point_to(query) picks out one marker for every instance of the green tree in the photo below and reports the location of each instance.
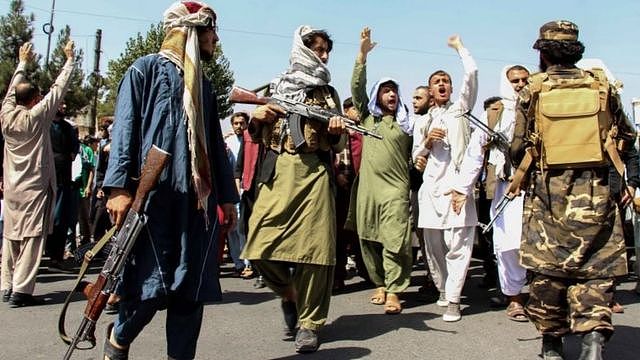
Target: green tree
(78, 95)
(16, 28)
(216, 69)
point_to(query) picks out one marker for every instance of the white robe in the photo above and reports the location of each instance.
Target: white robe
(440, 174)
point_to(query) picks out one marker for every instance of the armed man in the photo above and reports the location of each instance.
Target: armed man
(572, 234)
(291, 237)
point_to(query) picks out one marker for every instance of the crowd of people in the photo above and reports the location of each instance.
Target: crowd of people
(551, 164)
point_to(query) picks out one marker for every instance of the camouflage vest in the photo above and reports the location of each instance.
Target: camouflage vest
(572, 119)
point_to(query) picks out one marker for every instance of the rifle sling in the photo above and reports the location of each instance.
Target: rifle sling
(89, 255)
(610, 147)
(521, 171)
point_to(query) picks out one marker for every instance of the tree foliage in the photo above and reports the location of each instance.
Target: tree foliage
(217, 69)
(78, 95)
(16, 28)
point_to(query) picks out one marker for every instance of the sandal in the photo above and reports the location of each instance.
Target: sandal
(392, 305)
(515, 312)
(379, 296)
(247, 273)
(110, 351)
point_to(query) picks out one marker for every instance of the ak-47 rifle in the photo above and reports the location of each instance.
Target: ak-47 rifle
(295, 112)
(514, 187)
(495, 137)
(98, 292)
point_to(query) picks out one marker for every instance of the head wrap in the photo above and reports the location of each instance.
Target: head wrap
(181, 47)
(306, 71)
(559, 30)
(402, 113)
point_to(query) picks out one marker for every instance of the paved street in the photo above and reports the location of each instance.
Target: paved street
(248, 325)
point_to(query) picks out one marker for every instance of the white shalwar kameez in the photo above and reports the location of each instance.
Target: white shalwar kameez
(449, 236)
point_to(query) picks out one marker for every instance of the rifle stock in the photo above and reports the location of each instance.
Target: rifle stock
(243, 96)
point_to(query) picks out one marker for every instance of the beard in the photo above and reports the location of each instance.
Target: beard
(205, 56)
(542, 65)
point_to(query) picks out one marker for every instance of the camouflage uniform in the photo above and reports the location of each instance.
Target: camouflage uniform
(572, 234)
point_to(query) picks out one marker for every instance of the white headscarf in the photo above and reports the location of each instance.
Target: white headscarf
(306, 71)
(587, 64)
(402, 113)
(506, 123)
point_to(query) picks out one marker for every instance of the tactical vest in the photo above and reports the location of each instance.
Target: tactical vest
(572, 119)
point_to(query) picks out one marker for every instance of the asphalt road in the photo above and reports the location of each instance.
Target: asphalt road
(248, 324)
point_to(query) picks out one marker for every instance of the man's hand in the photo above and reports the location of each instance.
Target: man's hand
(87, 191)
(26, 52)
(267, 113)
(366, 45)
(230, 217)
(435, 134)
(457, 200)
(100, 194)
(336, 125)
(421, 163)
(455, 42)
(118, 205)
(68, 50)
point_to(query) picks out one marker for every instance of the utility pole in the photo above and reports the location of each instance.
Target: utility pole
(48, 29)
(97, 81)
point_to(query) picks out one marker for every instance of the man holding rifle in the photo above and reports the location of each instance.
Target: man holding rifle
(291, 238)
(572, 237)
(164, 101)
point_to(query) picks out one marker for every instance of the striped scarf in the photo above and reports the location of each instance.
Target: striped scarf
(181, 47)
(306, 71)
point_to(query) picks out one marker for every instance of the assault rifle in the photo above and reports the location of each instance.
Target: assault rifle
(495, 137)
(98, 292)
(514, 187)
(295, 112)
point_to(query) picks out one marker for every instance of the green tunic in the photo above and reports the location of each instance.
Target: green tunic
(381, 206)
(293, 218)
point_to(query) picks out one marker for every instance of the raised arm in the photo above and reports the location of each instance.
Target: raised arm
(359, 77)
(25, 55)
(49, 104)
(469, 88)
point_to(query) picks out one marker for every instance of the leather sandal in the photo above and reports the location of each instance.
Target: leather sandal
(379, 296)
(515, 312)
(392, 305)
(110, 351)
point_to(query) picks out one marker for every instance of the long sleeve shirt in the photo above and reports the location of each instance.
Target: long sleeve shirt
(28, 158)
(441, 170)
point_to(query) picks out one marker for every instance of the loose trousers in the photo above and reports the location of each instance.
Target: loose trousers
(311, 284)
(450, 253)
(184, 319)
(20, 262)
(385, 268)
(558, 306)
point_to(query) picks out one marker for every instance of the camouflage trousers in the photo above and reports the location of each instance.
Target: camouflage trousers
(558, 306)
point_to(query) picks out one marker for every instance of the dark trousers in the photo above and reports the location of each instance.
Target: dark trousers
(184, 319)
(54, 247)
(485, 241)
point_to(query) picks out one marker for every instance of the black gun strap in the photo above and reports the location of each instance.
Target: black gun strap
(89, 255)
